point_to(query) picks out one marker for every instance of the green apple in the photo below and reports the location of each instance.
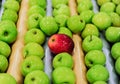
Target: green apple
(30, 64)
(92, 42)
(75, 24)
(112, 34)
(6, 78)
(94, 57)
(116, 1)
(63, 75)
(115, 50)
(37, 77)
(118, 9)
(87, 16)
(61, 20)
(9, 15)
(33, 48)
(36, 9)
(90, 29)
(3, 63)
(34, 20)
(34, 35)
(8, 31)
(41, 3)
(61, 9)
(108, 7)
(117, 65)
(12, 5)
(48, 25)
(64, 30)
(84, 5)
(100, 82)
(5, 49)
(97, 73)
(102, 20)
(115, 19)
(101, 2)
(57, 2)
(63, 60)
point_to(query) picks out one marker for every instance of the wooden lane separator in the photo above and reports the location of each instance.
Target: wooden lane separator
(16, 57)
(78, 54)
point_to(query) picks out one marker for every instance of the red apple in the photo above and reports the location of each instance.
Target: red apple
(60, 43)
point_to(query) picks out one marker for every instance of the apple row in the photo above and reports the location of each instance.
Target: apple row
(8, 34)
(62, 46)
(8, 28)
(32, 67)
(95, 59)
(112, 32)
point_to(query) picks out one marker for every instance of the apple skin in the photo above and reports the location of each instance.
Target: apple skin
(118, 9)
(97, 73)
(64, 30)
(115, 50)
(117, 65)
(115, 19)
(61, 20)
(108, 7)
(84, 5)
(100, 82)
(6, 78)
(30, 64)
(102, 20)
(75, 24)
(94, 57)
(37, 77)
(90, 29)
(92, 42)
(8, 31)
(101, 2)
(3, 63)
(57, 2)
(34, 20)
(59, 43)
(5, 49)
(12, 5)
(34, 35)
(48, 25)
(15, 0)
(41, 3)
(36, 9)
(33, 48)
(117, 2)
(61, 9)
(112, 34)
(63, 60)
(87, 16)
(79, 1)
(63, 75)
(9, 15)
